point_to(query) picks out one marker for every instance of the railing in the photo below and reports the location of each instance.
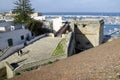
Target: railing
(35, 39)
(114, 32)
(62, 30)
(4, 51)
(10, 51)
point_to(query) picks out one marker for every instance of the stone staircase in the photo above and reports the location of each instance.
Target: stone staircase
(3, 51)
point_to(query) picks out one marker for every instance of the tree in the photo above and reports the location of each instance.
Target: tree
(22, 10)
(35, 27)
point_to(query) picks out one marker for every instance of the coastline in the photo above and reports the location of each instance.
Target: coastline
(83, 13)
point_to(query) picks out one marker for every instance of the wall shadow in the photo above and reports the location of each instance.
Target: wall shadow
(106, 38)
(81, 41)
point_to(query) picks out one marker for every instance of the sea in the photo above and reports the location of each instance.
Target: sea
(108, 29)
(83, 13)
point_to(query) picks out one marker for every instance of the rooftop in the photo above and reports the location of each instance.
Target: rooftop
(5, 24)
(89, 21)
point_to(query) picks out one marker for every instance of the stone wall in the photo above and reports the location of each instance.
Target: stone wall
(36, 64)
(2, 73)
(88, 33)
(70, 49)
(9, 70)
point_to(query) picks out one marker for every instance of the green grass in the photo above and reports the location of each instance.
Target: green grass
(60, 48)
(50, 62)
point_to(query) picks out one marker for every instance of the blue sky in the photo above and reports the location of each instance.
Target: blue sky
(67, 5)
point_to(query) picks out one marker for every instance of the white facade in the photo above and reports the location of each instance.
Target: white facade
(5, 29)
(36, 14)
(39, 18)
(2, 29)
(1, 17)
(12, 38)
(57, 24)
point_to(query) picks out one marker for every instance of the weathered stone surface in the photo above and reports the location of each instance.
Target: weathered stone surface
(88, 33)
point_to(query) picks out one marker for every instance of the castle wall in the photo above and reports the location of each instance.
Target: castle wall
(88, 33)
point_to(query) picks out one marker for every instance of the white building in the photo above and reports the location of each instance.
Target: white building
(57, 23)
(42, 18)
(13, 35)
(35, 14)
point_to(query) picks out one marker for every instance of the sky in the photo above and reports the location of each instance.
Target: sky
(67, 5)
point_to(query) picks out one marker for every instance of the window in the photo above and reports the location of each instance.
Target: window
(10, 42)
(32, 34)
(27, 37)
(22, 37)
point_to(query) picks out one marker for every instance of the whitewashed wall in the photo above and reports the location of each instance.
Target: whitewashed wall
(57, 23)
(2, 29)
(39, 18)
(15, 36)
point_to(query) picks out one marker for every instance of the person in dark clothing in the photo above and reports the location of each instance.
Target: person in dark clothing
(20, 52)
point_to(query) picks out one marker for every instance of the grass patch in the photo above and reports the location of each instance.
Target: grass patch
(60, 49)
(50, 62)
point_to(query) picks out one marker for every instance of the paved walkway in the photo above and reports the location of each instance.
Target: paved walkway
(38, 50)
(8, 52)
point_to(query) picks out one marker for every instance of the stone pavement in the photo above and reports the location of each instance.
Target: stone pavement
(38, 50)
